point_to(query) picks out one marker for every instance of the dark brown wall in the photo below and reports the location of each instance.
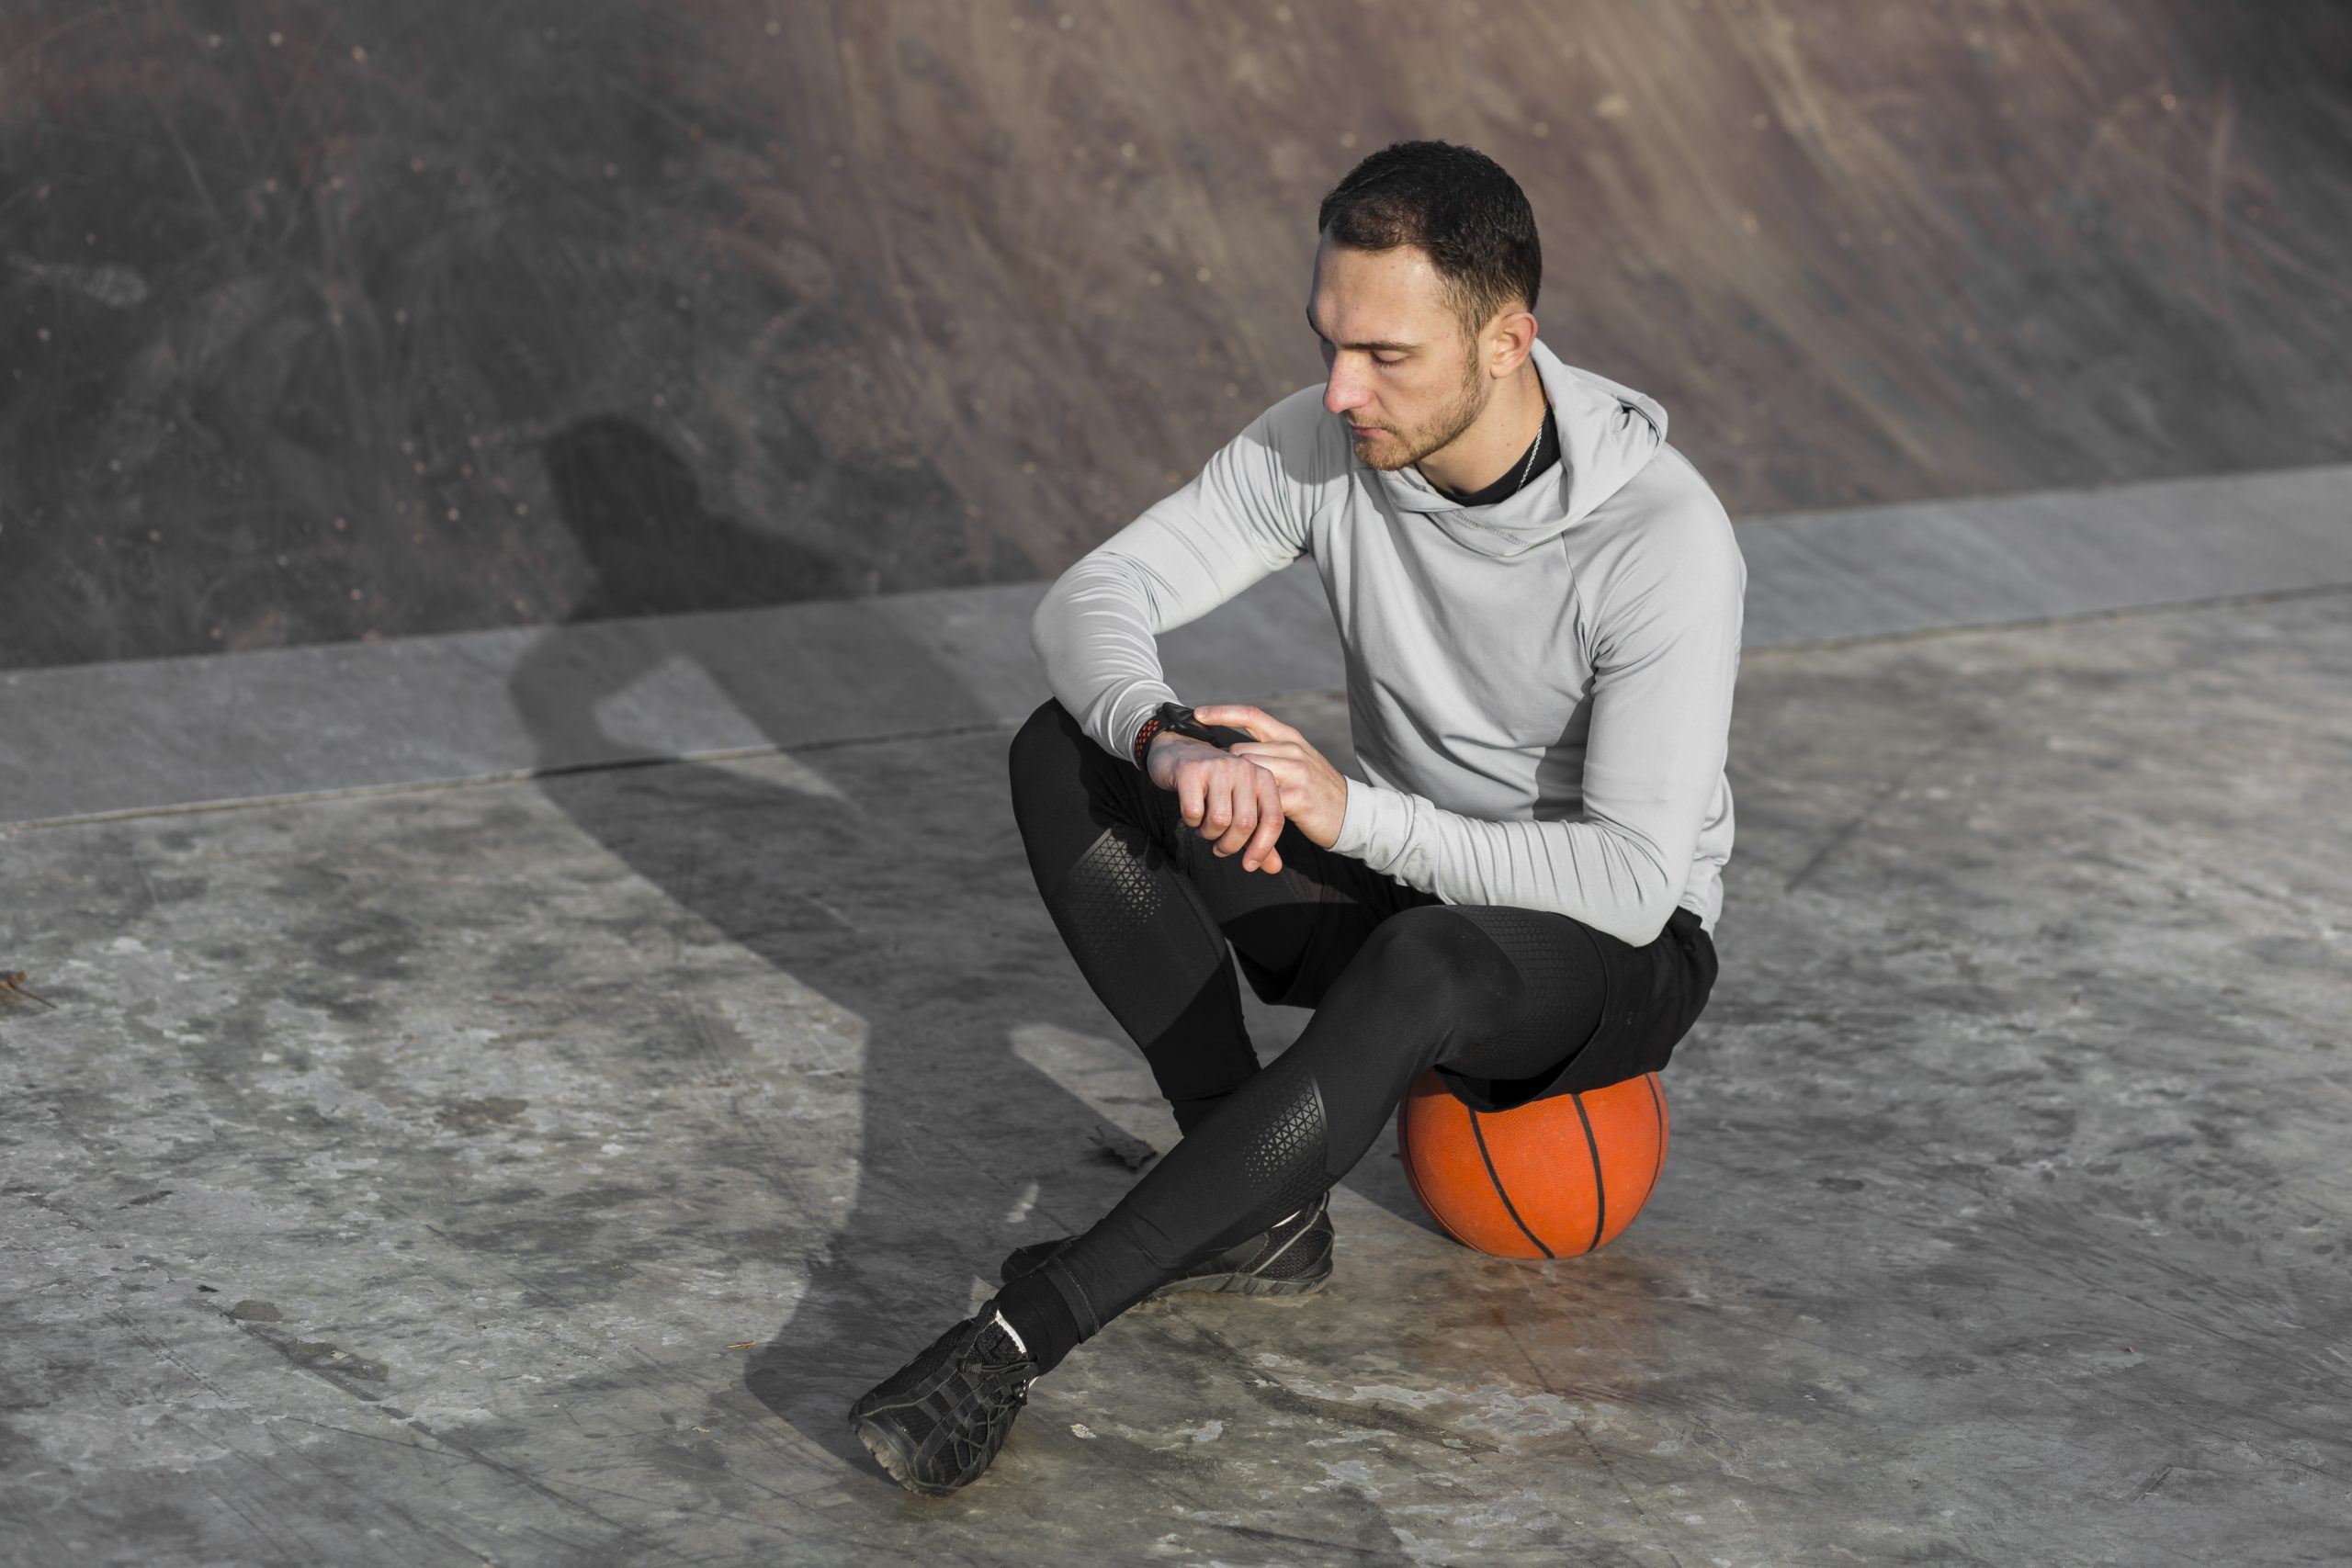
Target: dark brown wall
(320, 321)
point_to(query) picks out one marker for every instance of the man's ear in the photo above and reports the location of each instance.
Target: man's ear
(1509, 338)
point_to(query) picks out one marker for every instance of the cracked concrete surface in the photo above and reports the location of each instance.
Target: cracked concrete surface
(532, 1173)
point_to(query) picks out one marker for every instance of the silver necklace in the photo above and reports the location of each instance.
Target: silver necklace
(1530, 468)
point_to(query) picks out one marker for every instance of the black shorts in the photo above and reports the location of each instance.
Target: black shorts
(1589, 1011)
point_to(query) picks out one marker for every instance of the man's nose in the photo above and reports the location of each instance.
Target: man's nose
(1342, 389)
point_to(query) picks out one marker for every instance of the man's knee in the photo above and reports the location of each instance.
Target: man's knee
(1435, 957)
(1046, 741)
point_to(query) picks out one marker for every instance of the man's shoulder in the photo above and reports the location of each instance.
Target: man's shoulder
(1664, 524)
(1665, 506)
(1669, 496)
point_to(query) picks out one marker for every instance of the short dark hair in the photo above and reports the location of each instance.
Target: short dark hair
(1454, 202)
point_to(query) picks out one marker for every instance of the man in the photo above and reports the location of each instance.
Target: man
(1540, 602)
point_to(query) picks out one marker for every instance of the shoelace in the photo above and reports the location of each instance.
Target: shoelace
(1011, 1332)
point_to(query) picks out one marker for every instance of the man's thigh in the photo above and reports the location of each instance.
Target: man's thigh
(1594, 1009)
(1294, 930)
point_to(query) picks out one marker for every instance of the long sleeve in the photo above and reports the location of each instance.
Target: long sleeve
(1243, 518)
(1667, 657)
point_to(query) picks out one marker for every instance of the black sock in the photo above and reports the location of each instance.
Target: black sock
(1042, 1318)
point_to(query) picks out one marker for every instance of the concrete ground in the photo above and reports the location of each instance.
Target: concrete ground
(530, 1173)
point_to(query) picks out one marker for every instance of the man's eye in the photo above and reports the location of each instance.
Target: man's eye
(1331, 352)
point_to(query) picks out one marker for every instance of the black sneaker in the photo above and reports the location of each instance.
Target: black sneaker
(1292, 1259)
(937, 1422)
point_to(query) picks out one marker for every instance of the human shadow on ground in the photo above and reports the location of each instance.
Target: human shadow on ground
(894, 884)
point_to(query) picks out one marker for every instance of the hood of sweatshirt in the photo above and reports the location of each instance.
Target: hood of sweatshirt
(1607, 434)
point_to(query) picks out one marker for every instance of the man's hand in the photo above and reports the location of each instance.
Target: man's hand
(1229, 800)
(1313, 793)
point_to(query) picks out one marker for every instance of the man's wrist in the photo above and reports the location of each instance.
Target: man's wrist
(1141, 750)
(1168, 719)
(1175, 719)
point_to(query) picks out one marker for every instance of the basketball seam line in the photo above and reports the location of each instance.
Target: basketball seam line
(1658, 1114)
(1500, 1191)
(1600, 1182)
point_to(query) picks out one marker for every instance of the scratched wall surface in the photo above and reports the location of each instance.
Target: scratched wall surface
(332, 321)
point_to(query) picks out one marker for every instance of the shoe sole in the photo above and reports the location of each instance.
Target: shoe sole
(1222, 1284)
(884, 1444)
(1242, 1285)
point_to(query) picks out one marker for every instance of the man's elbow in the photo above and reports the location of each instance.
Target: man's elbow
(1097, 585)
(1041, 624)
(1049, 623)
(1646, 894)
(1636, 923)
(1650, 917)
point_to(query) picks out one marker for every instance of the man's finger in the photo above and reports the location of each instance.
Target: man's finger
(1245, 817)
(1281, 769)
(1260, 848)
(1218, 797)
(1256, 721)
(1192, 795)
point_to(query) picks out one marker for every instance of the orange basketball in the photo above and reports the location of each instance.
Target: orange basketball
(1552, 1178)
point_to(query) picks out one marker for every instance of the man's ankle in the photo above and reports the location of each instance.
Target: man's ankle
(1033, 1310)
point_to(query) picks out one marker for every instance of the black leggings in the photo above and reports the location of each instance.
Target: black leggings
(1508, 1004)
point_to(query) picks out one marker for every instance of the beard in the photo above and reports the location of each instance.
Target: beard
(1392, 449)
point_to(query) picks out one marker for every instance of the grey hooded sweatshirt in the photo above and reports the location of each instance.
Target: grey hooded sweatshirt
(1539, 691)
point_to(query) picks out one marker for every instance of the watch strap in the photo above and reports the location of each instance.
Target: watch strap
(1183, 721)
(1152, 727)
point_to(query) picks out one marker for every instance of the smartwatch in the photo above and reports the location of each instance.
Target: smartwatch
(1179, 719)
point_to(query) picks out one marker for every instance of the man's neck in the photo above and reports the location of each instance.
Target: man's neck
(1485, 452)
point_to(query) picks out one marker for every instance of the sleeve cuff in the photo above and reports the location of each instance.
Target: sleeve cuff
(1127, 715)
(1373, 818)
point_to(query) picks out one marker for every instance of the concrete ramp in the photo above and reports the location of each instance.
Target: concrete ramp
(97, 739)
